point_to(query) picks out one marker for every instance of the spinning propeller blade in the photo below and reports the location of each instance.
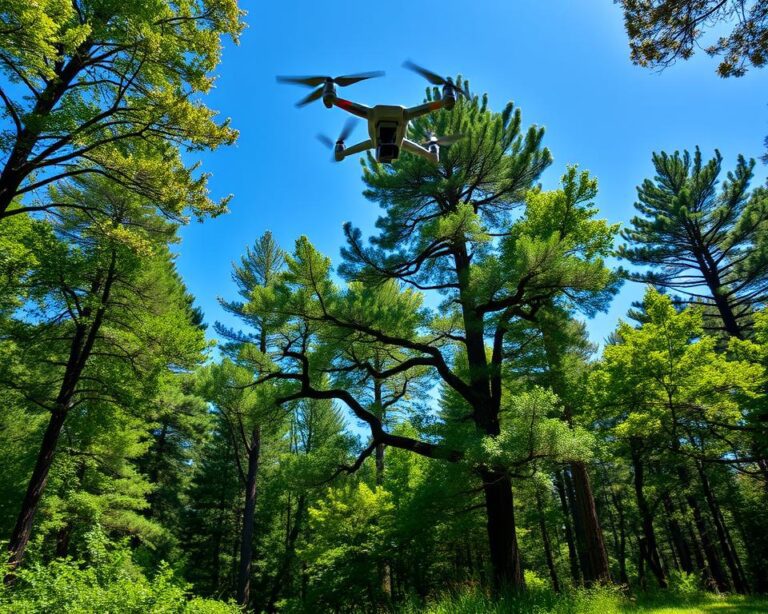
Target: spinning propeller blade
(448, 139)
(325, 140)
(350, 79)
(308, 81)
(311, 98)
(349, 126)
(436, 79)
(443, 141)
(430, 76)
(320, 81)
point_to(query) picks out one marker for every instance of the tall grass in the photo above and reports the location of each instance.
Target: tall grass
(606, 600)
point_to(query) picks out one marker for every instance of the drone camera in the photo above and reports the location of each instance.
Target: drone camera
(387, 152)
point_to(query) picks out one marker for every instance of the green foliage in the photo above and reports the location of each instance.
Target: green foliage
(663, 31)
(109, 582)
(349, 528)
(665, 376)
(112, 89)
(703, 238)
(532, 428)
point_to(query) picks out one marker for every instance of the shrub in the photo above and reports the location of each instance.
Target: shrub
(110, 584)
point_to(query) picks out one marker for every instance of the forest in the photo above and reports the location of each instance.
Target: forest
(420, 423)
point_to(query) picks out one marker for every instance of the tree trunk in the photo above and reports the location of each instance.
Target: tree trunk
(547, 546)
(599, 570)
(283, 574)
(681, 547)
(380, 464)
(648, 546)
(573, 557)
(249, 512)
(731, 557)
(23, 529)
(502, 539)
(710, 552)
(622, 551)
(578, 527)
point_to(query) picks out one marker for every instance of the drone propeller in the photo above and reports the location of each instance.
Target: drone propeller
(443, 141)
(434, 78)
(338, 144)
(319, 82)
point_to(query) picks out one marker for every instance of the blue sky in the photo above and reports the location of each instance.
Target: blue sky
(564, 63)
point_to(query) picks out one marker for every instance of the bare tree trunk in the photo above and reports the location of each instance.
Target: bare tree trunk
(716, 570)
(681, 547)
(249, 513)
(597, 557)
(547, 545)
(731, 557)
(573, 556)
(648, 546)
(282, 577)
(502, 539)
(23, 529)
(622, 550)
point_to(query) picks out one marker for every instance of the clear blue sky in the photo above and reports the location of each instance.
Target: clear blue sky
(564, 63)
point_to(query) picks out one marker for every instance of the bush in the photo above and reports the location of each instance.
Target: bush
(110, 583)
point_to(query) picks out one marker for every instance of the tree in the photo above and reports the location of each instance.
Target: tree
(179, 423)
(565, 350)
(106, 314)
(663, 31)
(709, 245)
(248, 411)
(440, 242)
(110, 89)
(681, 403)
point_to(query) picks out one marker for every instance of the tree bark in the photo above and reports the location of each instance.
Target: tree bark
(622, 550)
(595, 566)
(547, 545)
(573, 557)
(249, 513)
(648, 545)
(679, 542)
(716, 570)
(597, 557)
(502, 539)
(23, 529)
(283, 574)
(729, 553)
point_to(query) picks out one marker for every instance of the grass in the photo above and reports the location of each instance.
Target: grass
(598, 601)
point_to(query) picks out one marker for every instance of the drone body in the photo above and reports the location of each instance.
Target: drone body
(387, 124)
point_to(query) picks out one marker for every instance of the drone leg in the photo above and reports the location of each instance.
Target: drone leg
(418, 150)
(349, 151)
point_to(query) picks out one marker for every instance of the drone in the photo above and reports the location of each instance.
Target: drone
(387, 124)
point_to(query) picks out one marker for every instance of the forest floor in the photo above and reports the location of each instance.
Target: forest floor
(598, 602)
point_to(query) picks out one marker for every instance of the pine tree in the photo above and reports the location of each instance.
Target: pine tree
(449, 228)
(106, 316)
(709, 245)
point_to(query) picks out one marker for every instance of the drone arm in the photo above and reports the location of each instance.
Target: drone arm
(365, 145)
(423, 109)
(418, 150)
(352, 107)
